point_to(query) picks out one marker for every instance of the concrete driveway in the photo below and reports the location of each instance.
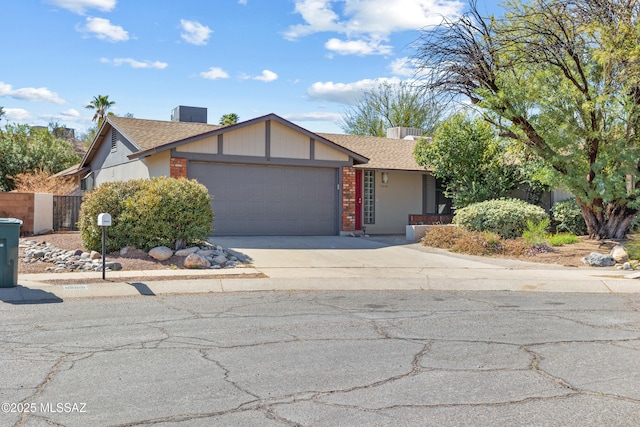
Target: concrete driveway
(338, 252)
(392, 263)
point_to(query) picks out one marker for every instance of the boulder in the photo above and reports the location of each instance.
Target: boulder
(115, 266)
(220, 259)
(187, 251)
(161, 253)
(132, 252)
(95, 255)
(196, 261)
(619, 254)
(596, 259)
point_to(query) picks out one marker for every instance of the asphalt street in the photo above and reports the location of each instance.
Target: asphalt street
(323, 358)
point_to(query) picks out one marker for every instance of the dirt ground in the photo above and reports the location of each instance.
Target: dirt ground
(567, 255)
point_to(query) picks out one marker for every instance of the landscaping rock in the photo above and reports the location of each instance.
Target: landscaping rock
(114, 266)
(161, 253)
(95, 255)
(132, 252)
(196, 261)
(61, 260)
(596, 259)
(220, 259)
(187, 251)
(619, 254)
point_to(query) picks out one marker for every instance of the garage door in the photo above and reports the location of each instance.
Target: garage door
(270, 200)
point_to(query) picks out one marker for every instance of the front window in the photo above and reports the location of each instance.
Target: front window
(369, 197)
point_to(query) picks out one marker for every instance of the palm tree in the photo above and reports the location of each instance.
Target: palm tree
(229, 119)
(100, 104)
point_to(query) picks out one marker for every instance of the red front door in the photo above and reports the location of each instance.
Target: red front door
(358, 199)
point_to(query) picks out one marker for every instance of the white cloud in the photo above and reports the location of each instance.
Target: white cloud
(404, 67)
(266, 76)
(243, 2)
(71, 113)
(17, 115)
(80, 6)
(343, 93)
(105, 30)
(30, 93)
(214, 73)
(357, 47)
(195, 32)
(135, 63)
(313, 117)
(366, 23)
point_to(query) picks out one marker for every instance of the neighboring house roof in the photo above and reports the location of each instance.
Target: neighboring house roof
(73, 170)
(383, 153)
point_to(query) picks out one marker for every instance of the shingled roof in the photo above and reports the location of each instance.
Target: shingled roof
(154, 133)
(383, 153)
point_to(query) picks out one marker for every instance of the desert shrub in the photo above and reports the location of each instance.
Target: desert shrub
(479, 243)
(567, 217)
(147, 213)
(443, 237)
(506, 217)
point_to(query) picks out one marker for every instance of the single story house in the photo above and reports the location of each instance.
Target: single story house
(269, 176)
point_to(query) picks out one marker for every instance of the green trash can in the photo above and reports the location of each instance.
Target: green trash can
(9, 241)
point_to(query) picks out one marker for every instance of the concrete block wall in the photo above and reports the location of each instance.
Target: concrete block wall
(34, 210)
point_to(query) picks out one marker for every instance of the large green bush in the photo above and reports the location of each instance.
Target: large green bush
(567, 217)
(147, 213)
(506, 217)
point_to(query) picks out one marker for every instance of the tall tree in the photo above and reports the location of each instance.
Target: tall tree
(470, 158)
(100, 104)
(561, 78)
(391, 105)
(229, 119)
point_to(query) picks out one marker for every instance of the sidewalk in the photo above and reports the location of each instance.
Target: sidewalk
(32, 288)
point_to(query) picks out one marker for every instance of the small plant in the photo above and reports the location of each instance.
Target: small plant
(443, 237)
(536, 232)
(633, 246)
(562, 239)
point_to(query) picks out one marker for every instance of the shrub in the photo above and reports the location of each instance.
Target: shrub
(506, 217)
(106, 198)
(562, 239)
(443, 237)
(147, 213)
(568, 217)
(536, 233)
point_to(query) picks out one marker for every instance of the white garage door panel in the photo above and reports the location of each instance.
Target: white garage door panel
(270, 200)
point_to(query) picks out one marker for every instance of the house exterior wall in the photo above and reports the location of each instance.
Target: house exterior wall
(324, 152)
(287, 143)
(394, 201)
(246, 141)
(207, 145)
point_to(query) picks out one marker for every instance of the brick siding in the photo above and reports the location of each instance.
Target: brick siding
(178, 167)
(348, 199)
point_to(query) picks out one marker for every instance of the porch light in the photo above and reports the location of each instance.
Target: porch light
(385, 178)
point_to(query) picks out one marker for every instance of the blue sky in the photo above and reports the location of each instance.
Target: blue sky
(305, 60)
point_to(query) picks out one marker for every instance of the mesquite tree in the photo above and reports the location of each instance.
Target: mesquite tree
(562, 78)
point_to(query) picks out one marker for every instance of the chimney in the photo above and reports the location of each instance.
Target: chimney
(402, 132)
(189, 114)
